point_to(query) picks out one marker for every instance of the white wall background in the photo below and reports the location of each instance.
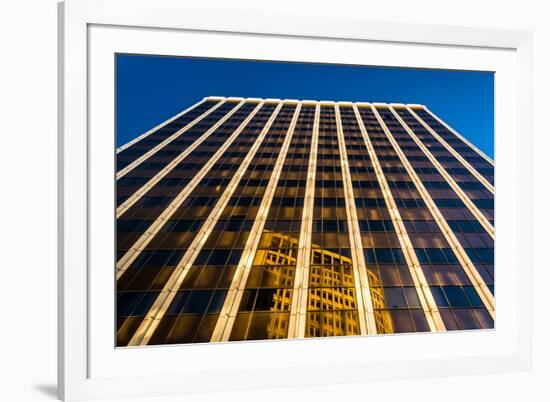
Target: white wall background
(28, 198)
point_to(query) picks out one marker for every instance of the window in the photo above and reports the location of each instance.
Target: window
(330, 225)
(132, 181)
(472, 295)
(466, 226)
(174, 181)
(395, 298)
(436, 256)
(184, 225)
(484, 203)
(376, 226)
(439, 296)
(197, 302)
(158, 258)
(202, 201)
(235, 224)
(218, 257)
(131, 225)
(436, 185)
(481, 255)
(456, 296)
(422, 226)
(135, 303)
(449, 203)
(471, 185)
(384, 256)
(149, 201)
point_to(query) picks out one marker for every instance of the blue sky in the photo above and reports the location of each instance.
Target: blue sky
(150, 89)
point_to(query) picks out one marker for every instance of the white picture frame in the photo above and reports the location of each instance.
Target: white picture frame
(90, 32)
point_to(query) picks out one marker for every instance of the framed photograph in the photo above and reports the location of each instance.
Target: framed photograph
(254, 201)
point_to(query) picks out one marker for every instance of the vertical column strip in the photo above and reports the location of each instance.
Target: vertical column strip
(159, 126)
(453, 152)
(465, 199)
(124, 263)
(427, 301)
(298, 307)
(167, 141)
(122, 208)
(166, 296)
(367, 320)
(459, 136)
(469, 268)
(226, 320)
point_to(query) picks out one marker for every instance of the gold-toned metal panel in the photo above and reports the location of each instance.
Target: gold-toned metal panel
(473, 275)
(425, 296)
(460, 136)
(459, 157)
(367, 320)
(152, 151)
(124, 263)
(122, 208)
(228, 313)
(164, 123)
(166, 296)
(298, 309)
(456, 188)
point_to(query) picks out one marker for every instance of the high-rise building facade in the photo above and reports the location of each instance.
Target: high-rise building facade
(242, 219)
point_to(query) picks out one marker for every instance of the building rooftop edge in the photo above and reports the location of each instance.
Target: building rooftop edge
(321, 102)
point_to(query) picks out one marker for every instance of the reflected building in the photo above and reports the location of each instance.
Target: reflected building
(252, 219)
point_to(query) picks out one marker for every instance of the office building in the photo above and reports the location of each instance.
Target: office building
(252, 219)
